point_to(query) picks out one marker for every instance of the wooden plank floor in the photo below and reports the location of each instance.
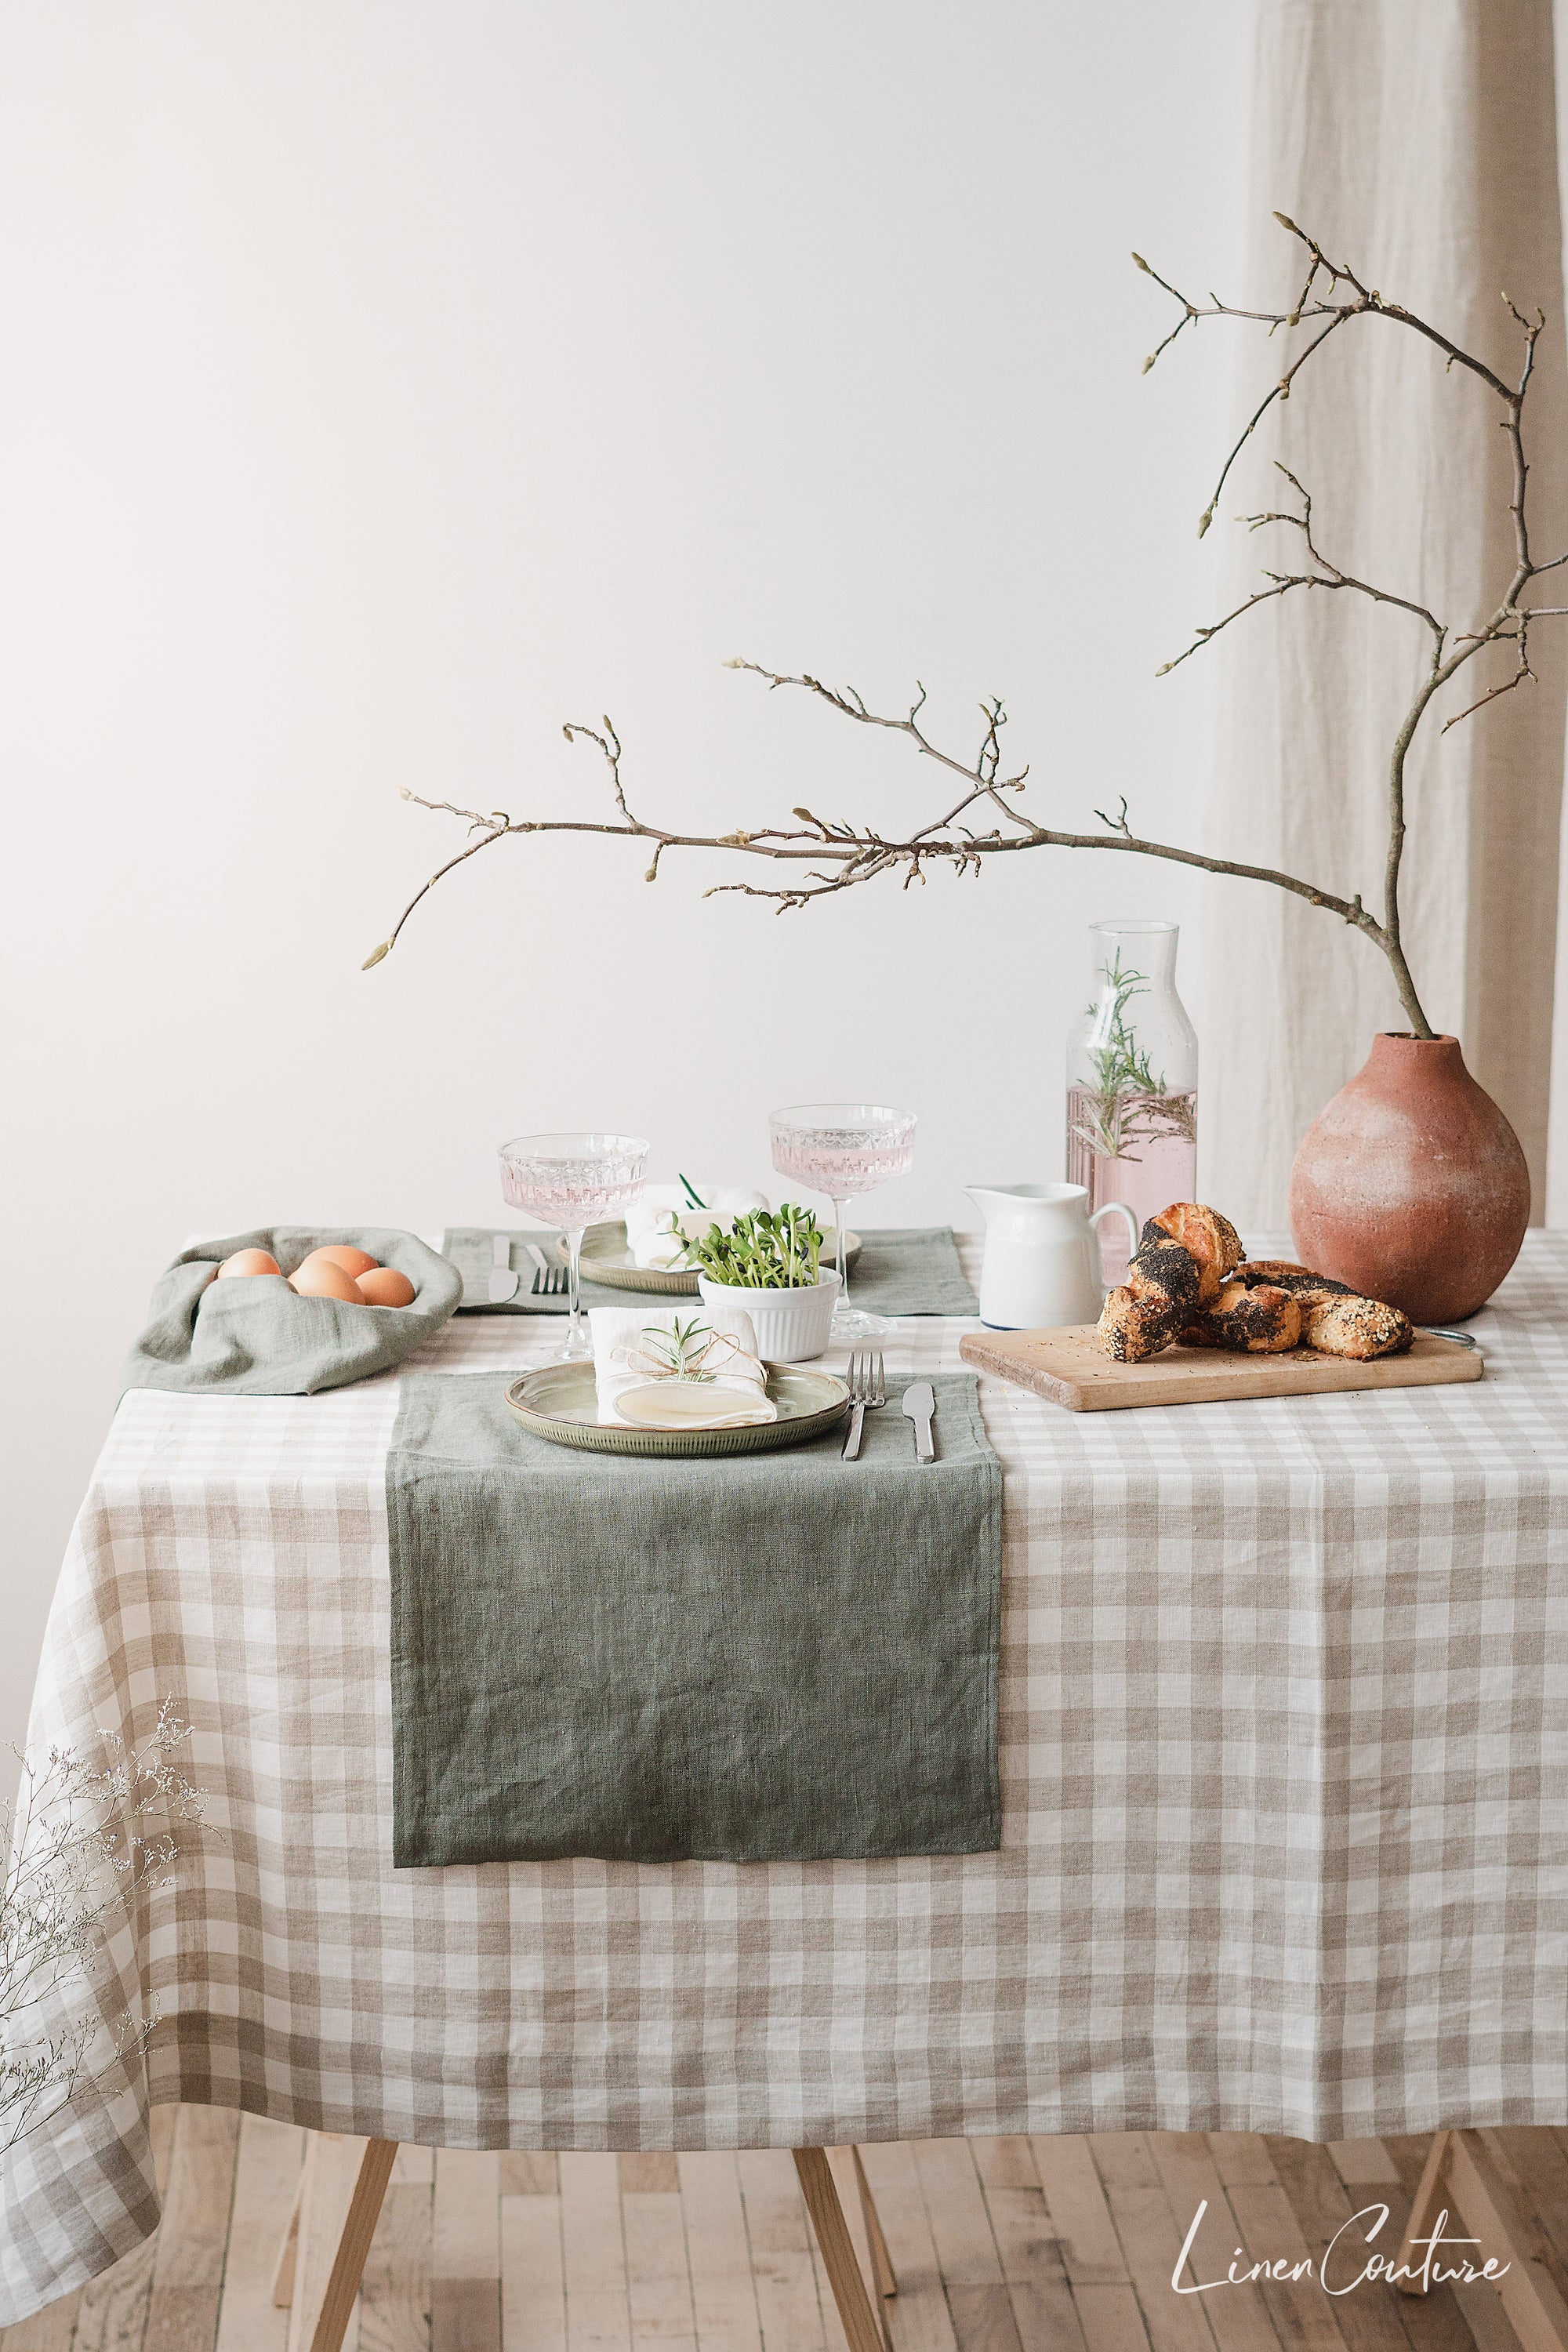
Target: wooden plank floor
(1001, 2245)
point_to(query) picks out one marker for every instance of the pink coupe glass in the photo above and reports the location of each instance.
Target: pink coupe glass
(844, 1149)
(574, 1179)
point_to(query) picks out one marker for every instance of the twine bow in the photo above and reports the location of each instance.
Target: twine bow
(688, 1352)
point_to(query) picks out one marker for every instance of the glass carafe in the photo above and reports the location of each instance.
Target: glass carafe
(1132, 1082)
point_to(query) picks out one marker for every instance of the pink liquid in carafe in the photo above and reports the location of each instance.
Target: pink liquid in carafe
(1149, 1175)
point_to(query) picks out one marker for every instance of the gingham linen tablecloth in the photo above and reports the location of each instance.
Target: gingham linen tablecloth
(1284, 1756)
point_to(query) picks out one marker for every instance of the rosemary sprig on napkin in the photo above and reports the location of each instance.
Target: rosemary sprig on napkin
(679, 1351)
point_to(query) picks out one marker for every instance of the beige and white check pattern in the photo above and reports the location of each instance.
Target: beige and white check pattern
(1284, 1723)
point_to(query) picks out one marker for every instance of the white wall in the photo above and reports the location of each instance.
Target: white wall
(385, 384)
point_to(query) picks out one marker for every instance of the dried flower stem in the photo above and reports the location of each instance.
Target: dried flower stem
(84, 1839)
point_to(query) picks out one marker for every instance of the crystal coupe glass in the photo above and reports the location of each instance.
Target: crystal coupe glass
(574, 1179)
(844, 1149)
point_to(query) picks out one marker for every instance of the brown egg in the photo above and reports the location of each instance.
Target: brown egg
(384, 1286)
(352, 1261)
(320, 1278)
(248, 1262)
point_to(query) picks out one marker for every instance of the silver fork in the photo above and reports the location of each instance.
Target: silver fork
(549, 1281)
(867, 1390)
(544, 1283)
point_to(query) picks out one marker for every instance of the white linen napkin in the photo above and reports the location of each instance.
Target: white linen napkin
(661, 1219)
(635, 1352)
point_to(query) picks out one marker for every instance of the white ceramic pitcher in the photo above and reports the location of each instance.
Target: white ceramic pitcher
(1041, 1267)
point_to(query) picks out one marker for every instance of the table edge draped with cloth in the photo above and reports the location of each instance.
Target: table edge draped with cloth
(1284, 1763)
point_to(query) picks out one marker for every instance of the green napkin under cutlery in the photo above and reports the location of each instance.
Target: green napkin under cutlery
(911, 1270)
(471, 1249)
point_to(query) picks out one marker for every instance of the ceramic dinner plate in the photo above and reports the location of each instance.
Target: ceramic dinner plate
(558, 1401)
(607, 1259)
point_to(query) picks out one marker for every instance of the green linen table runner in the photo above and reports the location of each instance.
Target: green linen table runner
(760, 1657)
(908, 1270)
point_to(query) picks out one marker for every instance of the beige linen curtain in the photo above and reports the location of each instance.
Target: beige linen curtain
(1416, 140)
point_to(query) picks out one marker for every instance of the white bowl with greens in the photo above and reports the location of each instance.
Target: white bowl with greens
(770, 1263)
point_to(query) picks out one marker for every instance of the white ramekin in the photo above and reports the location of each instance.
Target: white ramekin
(790, 1324)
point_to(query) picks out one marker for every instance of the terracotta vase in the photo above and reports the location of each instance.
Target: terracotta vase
(1411, 1185)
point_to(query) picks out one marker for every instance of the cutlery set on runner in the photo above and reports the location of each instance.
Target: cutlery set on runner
(867, 1384)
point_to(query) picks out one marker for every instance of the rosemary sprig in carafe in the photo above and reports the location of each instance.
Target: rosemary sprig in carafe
(1128, 1104)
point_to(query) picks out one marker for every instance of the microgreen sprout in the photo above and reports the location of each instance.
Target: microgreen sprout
(766, 1250)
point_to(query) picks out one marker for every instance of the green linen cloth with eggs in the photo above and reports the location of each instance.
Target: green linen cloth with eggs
(252, 1334)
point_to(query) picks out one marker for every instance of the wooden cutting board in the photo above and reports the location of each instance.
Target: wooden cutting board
(1071, 1369)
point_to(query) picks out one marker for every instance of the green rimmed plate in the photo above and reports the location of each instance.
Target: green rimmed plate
(558, 1401)
(607, 1259)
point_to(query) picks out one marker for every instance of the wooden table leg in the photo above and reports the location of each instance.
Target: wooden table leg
(353, 2246)
(865, 2326)
(1430, 2194)
(288, 2266)
(1460, 2177)
(882, 2261)
(348, 2257)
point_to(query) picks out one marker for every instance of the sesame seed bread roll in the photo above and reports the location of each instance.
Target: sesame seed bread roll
(1360, 1328)
(1164, 1272)
(1261, 1322)
(1209, 1238)
(1131, 1330)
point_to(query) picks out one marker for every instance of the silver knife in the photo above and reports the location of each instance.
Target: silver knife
(919, 1405)
(503, 1282)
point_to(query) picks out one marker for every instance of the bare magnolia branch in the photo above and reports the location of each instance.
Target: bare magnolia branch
(840, 855)
(1326, 575)
(1522, 671)
(859, 855)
